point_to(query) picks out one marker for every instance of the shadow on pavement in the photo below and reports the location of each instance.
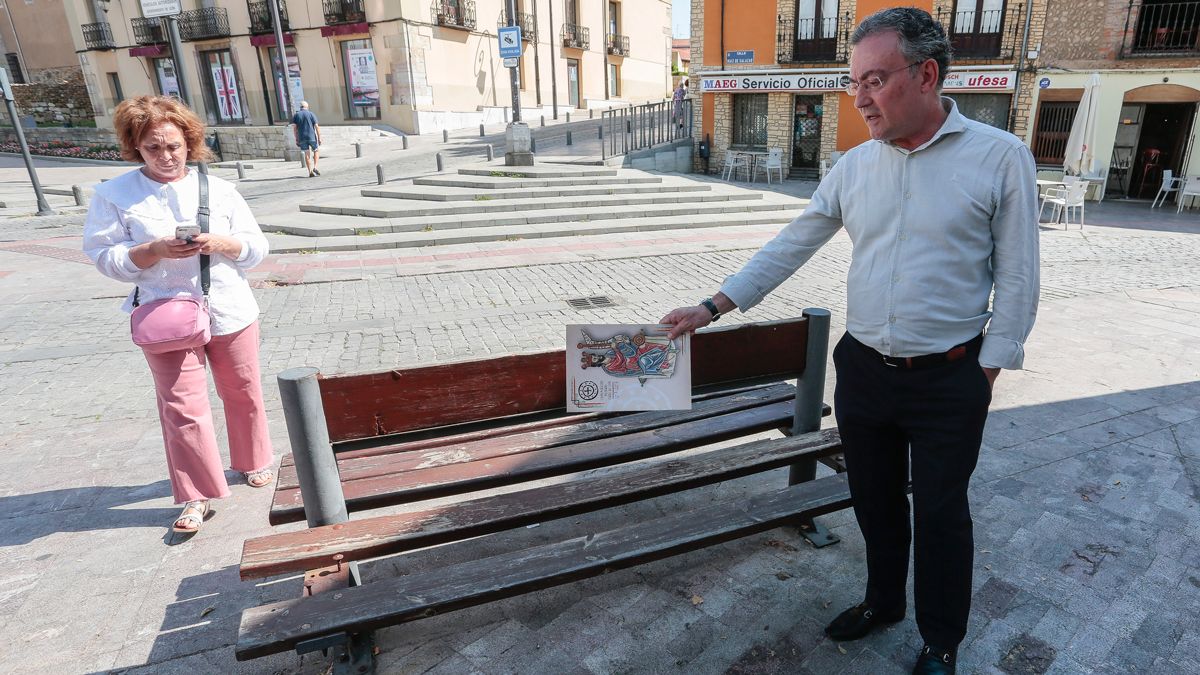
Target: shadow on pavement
(29, 517)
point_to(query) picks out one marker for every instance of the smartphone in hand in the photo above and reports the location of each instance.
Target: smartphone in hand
(187, 232)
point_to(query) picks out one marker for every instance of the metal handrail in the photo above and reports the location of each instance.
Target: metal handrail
(990, 34)
(260, 17)
(576, 36)
(525, 21)
(148, 31)
(205, 23)
(343, 11)
(1171, 28)
(617, 45)
(98, 36)
(644, 126)
(454, 13)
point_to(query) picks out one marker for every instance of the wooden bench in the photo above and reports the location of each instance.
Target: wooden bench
(452, 431)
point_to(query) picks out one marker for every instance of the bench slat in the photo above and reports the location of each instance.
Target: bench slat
(398, 401)
(352, 469)
(453, 479)
(277, 627)
(385, 535)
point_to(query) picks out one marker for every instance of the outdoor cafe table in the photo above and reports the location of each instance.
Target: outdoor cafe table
(754, 156)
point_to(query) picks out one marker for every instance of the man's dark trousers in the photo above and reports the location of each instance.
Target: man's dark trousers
(937, 413)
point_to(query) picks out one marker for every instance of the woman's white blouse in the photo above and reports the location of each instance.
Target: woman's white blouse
(133, 209)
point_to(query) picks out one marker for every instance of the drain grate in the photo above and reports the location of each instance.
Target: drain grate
(594, 302)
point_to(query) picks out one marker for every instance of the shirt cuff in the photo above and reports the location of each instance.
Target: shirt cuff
(245, 253)
(742, 293)
(1000, 352)
(124, 262)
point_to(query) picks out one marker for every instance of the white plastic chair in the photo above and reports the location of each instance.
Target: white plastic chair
(1065, 199)
(734, 162)
(1191, 188)
(827, 165)
(1170, 183)
(773, 160)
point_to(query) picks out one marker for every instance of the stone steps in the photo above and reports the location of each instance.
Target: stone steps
(458, 194)
(501, 182)
(540, 171)
(348, 225)
(379, 207)
(287, 243)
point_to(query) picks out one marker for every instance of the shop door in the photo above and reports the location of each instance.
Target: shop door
(362, 87)
(573, 82)
(221, 94)
(1161, 145)
(991, 109)
(164, 71)
(280, 99)
(806, 134)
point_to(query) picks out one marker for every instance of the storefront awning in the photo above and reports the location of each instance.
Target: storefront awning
(268, 40)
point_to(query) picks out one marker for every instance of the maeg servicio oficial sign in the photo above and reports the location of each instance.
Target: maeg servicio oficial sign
(964, 80)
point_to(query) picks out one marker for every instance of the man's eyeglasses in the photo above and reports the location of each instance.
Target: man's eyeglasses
(875, 82)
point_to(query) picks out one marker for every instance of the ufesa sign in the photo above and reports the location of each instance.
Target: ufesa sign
(968, 79)
(814, 82)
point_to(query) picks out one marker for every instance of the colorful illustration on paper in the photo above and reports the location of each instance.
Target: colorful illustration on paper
(626, 367)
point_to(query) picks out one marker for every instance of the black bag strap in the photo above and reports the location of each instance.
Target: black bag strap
(202, 213)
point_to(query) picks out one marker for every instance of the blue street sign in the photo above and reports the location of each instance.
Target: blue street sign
(740, 56)
(510, 42)
(1044, 82)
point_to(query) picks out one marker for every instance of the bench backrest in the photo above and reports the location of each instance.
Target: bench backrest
(411, 399)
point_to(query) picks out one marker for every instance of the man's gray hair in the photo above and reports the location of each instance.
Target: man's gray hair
(921, 36)
(303, 104)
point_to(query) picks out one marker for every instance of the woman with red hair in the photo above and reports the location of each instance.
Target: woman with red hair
(130, 234)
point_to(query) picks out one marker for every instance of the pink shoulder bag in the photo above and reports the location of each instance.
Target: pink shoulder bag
(172, 324)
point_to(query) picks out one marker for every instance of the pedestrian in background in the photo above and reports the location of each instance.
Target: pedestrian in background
(680, 94)
(942, 211)
(131, 234)
(308, 137)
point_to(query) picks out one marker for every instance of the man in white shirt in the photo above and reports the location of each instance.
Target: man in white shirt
(942, 211)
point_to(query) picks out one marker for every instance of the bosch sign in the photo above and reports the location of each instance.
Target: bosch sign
(959, 80)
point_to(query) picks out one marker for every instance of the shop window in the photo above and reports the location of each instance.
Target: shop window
(991, 109)
(164, 75)
(1053, 127)
(279, 98)
(614, 80)
(362, 87)
(222, 96)
(15, 74)
(114, 83)
(750, 120)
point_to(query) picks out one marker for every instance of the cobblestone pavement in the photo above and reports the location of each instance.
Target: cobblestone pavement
(1086, 496)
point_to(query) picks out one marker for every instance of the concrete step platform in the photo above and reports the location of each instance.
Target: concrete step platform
(326, 225)
(457, 194)
(502, 182)
(287, 243)
(537, 171)
(378, 207)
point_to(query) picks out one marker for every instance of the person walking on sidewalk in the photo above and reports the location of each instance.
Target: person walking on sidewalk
(308, 137)
(678, 97)
(942, 212)
(130, 234)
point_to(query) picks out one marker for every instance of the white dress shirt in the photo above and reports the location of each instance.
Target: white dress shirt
(934, 230)
(132, 209)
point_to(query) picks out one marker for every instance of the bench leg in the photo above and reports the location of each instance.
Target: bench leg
(810, 392)
(353, 653)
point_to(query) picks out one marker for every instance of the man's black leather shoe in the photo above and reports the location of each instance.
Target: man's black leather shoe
(934, 661)
(857, 621)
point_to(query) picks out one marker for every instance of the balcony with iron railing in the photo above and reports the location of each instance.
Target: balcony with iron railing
(617, 45)
(343, 11)
(525, 21)
(148, 31)
(811, 40)
(454, 13)
(576, 36)
(1161, 29)
(260, 17)
(204, 24)
(98, 36)
(992, 34)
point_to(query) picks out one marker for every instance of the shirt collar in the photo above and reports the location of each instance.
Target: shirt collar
(953, 124)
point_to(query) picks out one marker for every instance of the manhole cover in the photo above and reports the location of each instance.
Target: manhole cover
(594, 302)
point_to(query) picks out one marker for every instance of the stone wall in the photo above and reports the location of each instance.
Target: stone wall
(54, 102)
(78, 135)
(257, 143)
(830, 111)
(1089, 34)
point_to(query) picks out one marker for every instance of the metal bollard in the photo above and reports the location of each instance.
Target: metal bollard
(810, 388)
(591, 113)
(506, 114)
(445, 135)
(404, 140)
(481, 134)
(601, 130)
(491, 154)
(379, 173)
(568, 118)
(358, 150)
(316, 466)
(532, 143)
(568, 138)
(440, 162)
(241, 169)
(80, 199)
(543, 120)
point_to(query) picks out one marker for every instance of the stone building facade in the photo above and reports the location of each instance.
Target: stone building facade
(779, 66)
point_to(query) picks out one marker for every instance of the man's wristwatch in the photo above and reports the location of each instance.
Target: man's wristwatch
(712, 307)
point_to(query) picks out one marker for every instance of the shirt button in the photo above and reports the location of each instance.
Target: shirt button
(892, 319)
(908, 195)
(895, 280)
